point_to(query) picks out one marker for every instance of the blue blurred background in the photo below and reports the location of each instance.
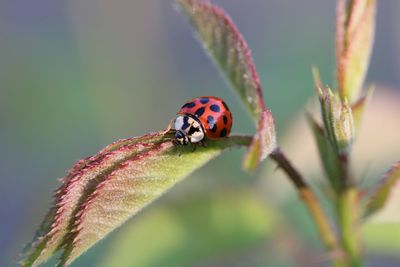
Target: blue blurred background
(77, 75)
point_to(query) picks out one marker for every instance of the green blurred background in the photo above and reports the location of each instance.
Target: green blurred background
(77, 75)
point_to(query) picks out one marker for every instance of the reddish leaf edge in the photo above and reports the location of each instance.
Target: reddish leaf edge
(46, 230)
(264, 141)
(207, 7)
(384, 189)
(49, 230)
(71, 239)
(241, 41)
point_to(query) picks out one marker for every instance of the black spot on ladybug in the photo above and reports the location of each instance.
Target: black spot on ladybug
(211, 121)
(214, 108)
(225, 119)
(214, 128)
(189, 105)
(199, 112)
(192, 130)
(204, 100)
(223, 133)
(225, 106)
(185, 123)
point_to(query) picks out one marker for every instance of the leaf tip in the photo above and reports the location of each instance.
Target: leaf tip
(354, 40)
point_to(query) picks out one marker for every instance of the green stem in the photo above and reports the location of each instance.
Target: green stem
(313, 204)
(347, 209)
(347, 206)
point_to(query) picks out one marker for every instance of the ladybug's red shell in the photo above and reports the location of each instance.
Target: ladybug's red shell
(212, 113)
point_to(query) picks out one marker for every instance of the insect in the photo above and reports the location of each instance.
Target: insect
(206, 117)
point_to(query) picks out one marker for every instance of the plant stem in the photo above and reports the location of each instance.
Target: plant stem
(347, 210)
(313, 204)
(348, 215)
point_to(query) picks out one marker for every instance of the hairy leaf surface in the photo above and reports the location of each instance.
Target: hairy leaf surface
(103, 191)
(226, 45)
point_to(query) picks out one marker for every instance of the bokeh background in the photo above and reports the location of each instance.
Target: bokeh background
(77, 75)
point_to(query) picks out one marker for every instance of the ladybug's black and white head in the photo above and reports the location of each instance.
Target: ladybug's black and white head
(188, 130)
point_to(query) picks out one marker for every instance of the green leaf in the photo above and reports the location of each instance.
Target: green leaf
(185, 233)
(226, 45)
(338, 121)
(382, 192)
(335, 137)
(327, 153)
(355, 28)
(81, 181)
(103, 191)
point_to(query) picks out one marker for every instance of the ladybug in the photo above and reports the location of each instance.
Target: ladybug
(202, 117)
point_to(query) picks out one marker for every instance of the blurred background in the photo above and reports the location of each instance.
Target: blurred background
(77, 75)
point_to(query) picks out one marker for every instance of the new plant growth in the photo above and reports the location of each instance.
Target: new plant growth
(101, 192)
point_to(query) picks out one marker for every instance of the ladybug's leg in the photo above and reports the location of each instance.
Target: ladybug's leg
(203, 143)
(175, 142)
(194, 145)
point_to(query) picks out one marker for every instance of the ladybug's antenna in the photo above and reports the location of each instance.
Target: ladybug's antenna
(169, 127)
